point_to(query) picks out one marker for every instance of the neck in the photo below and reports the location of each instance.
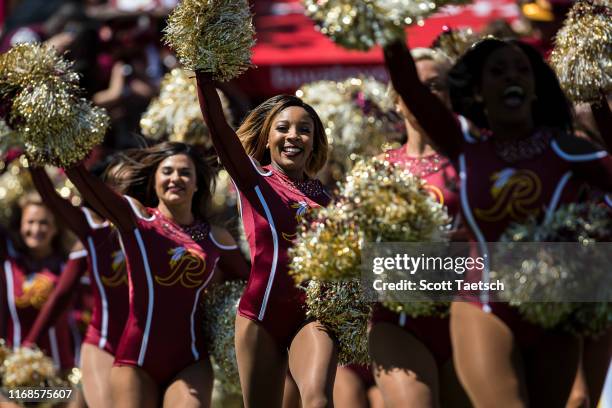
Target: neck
(507, 131)
(180, 214)
(41, 253)
(295, 175)
(418, 144)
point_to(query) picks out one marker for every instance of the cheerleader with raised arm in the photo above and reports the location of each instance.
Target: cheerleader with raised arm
(505, 87)
(271, 159)
(171, 254)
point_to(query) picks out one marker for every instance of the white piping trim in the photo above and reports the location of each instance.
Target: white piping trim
(402, 319)
(194, 350)
(136, 211)
(10, 296)
(577, 157)
(54, 348)
(484, 296)
(608, 199)
(100, 286)
(145, 261)
(465, 129)
(262, 311)
(554, 202)
(221, 246)
(90, 220)
(268, 174)
(78, 254)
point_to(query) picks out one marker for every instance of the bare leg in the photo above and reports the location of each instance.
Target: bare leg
(291, 394)
(579, 396)
(261, 364)
(405, 370)
(487, 361)
(132, 387)
(96, 365)
(375, 398)
(349, 390)
(192, 387)
(312, 362)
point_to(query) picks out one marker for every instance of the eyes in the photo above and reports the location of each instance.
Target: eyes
(502, 69)
(167, 171)
(285, 127)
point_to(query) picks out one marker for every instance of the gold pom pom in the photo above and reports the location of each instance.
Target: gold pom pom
(14, 182)
(359, 118)
(27, 367)
(455, 42)
(213, 36)
(361, 24)
(582, 56)
(57, 127)
(8, 138)
(342, 308)
(544, 275)
(176, 114)
(220, 306)
(4, 351)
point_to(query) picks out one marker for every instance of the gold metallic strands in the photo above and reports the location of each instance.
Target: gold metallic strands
(213, 36)
(14, 182)
(175, 114)
(344, 311)
(27, 367)
(545, 275)
(582, 56)
(57, 127)
(362, 24)
(4, 352)
(359, 118)
(220, 306)
(8, 138)
(455, 42)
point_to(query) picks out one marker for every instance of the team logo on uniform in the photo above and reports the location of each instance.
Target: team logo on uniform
(514, 193)
(35, 291)
(119, 275)
(301, 210)
(187, 268)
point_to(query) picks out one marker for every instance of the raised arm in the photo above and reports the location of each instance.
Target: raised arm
(434, 117)
(102, 198)
(603, 118)
(70, 215)
(61, 298)
(227, 144)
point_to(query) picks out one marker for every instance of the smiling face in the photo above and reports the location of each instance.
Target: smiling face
(37, 228)
(291, 140)
(175, 180)
(507, 86)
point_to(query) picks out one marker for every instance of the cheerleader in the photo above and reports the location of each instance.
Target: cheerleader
(31, 264)
(106, 263)
(412, 356)
(286, 136)
(171, 253)
(506, 87)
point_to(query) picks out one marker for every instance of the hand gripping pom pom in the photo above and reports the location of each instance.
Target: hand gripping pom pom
(582, 56)
(214, 36)
(361, 24)
(220, 306)
(176, 114)
(550, 275)
(54, 124)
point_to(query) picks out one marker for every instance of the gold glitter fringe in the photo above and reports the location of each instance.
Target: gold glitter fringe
(213, 36)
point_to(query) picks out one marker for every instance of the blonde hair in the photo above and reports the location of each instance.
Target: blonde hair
(255, 129)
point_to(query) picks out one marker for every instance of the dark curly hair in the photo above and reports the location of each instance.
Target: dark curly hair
(551, 109)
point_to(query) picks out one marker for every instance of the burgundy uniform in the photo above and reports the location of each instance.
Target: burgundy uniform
(442, 183)
(105, 261)
(493, 191)
(168, 268)
(24, 292)
(271, 207)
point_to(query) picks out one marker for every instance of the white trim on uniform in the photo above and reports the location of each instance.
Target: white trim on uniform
(554, 202)
(90, 220)
(10, 297)
(465, 129)
(55, 354)
(147, 331)
(136, 211)
(264, 304)
(96, 274)
(257, 169)
(577, 157)
(78, 254)
(484, 296)
(221, 246)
